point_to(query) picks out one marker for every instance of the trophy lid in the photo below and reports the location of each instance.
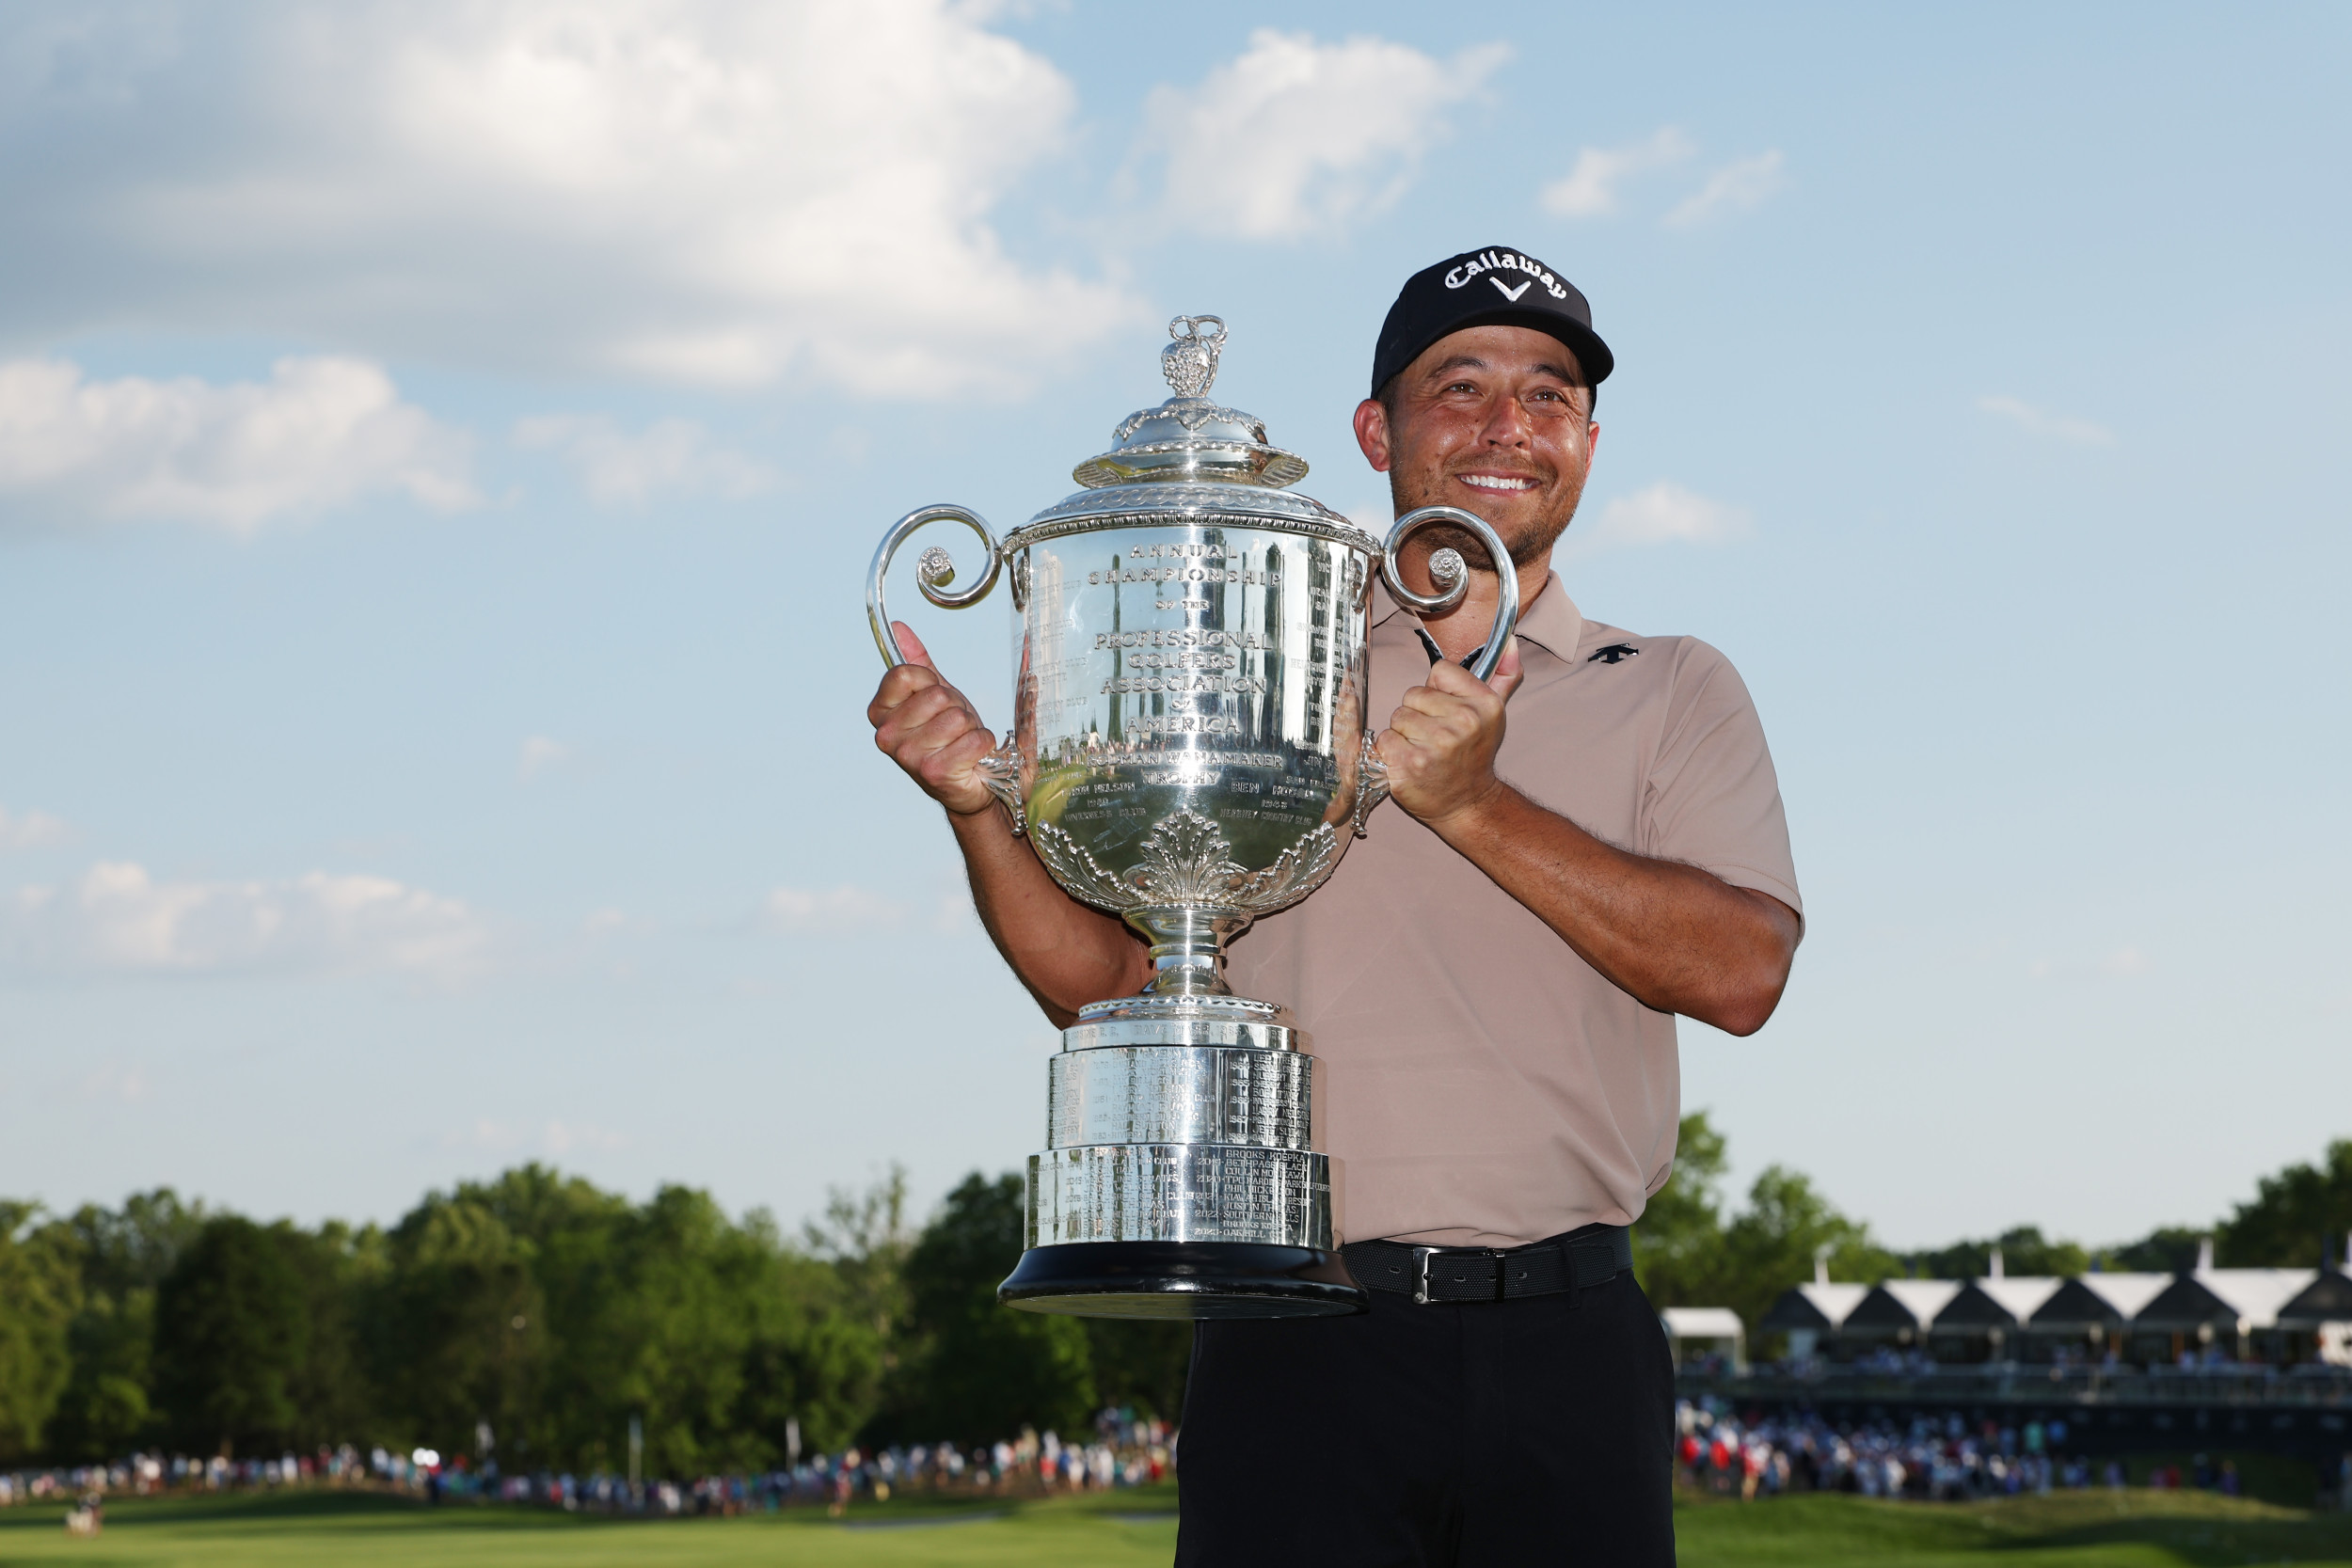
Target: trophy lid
(1190, 459)
(1189, 438)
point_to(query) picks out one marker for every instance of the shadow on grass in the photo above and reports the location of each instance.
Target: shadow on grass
(2201, 1529)
(2189, 1527)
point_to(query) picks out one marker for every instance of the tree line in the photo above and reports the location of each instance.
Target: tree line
(552, 1313)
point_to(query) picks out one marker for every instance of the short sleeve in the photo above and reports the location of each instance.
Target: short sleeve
(1712, 798)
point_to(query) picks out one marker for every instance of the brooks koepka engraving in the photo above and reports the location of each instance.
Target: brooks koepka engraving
(1190, 751)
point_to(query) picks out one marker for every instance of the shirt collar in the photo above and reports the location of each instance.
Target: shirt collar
(1551, 620)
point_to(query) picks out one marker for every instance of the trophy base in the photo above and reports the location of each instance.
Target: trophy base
(1182, 1280)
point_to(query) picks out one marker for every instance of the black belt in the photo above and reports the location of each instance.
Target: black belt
(1592, 1256)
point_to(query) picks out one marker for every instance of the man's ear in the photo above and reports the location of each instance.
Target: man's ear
(1372, 434)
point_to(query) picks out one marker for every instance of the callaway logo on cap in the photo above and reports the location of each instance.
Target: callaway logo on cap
(1488, 288)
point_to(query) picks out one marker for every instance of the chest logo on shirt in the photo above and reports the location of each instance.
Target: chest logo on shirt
(1615, 653)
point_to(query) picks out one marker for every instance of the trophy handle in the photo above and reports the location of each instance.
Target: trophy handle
(934, 572)
(1371, 783)
(1000, 770)
(1451, 574)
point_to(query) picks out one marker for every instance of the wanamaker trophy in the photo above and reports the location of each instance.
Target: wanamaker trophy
(1190, 751)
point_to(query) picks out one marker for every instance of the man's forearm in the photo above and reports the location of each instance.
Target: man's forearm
(1672, 936)
(1066, 953)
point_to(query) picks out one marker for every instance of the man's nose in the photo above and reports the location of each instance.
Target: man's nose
(1507, 424)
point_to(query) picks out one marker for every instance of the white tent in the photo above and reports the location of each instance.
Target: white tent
(1705, 1325)
(2256, 1294)
(2021, 1295)
(2125, 1292)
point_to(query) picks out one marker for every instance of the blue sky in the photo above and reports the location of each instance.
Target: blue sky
(440, 447)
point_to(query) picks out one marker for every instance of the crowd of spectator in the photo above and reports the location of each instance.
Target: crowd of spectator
(1124, 1451)
(1947, 1461)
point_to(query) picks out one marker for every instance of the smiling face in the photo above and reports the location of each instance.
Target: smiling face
(1493, 419)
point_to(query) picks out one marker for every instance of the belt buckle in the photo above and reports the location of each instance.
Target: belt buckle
(1420, 1272)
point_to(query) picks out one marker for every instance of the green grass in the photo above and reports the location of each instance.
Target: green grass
(361, 1529)
(2098, 1529)
(2076, 1530)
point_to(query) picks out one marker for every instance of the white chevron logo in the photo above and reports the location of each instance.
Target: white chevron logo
(1511, 294)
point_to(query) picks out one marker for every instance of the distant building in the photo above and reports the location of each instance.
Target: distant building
(1812, 1315)
(2280, 1316)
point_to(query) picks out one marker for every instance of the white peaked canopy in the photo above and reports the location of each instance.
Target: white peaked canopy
(1922, 1298)
(1705, 1325)
(2021, 1295)
(1832, 1301)
(1702, 1323)
(1998, 1301)
(2328, 1301)
(2256, 1294)
(1815, 1307)
(2125, 1292)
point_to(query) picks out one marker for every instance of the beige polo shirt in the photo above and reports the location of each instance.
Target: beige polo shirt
(1479, 1084)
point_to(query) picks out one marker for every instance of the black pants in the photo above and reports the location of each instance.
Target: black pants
(1530, 1432)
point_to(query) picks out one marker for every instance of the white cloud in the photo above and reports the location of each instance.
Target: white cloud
(715, 191)
(29, 830)
(118, 918)
(2082, 433)
(321, 432)
(1739, 186)
(615, 467)
(805, 911)
(1589, 188)
(1661, 513)
(540, 754)
(1294, 137)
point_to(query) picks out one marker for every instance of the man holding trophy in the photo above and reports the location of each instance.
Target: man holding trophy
(1585, 842)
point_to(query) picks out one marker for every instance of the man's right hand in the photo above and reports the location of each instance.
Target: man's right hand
(929, 728)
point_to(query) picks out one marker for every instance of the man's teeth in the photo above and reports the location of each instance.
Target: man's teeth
(1490, 482)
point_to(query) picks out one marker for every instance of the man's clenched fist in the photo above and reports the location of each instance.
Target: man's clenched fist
(929, 728)
(1439, 747)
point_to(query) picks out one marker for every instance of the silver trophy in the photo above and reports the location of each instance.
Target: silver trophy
(1190, 751)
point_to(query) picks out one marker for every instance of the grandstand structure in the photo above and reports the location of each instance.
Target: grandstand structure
(2203, 1316)
(2247, 1359)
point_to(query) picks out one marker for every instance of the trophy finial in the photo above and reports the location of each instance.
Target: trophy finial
(1190, 362)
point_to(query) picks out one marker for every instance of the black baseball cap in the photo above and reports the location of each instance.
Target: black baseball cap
(1495, 287)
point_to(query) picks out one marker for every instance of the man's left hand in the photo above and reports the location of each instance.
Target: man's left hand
(1440, 744)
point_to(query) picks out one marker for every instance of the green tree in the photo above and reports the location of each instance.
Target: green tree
(2167, 1249)
(556, 1313)
(338, 1268)
(813, 1354)
(450, 1326)
(968, 1369)
(2024, 1251)
(549, 1250)
(1772, 1243)
(232, 1334)
(2296, 1218)
(1688, 1252)
(125, 1254)
(1678, 1246)
(692, 1279)
(863, 1236)
(1139, 1363)
(39, 1294)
